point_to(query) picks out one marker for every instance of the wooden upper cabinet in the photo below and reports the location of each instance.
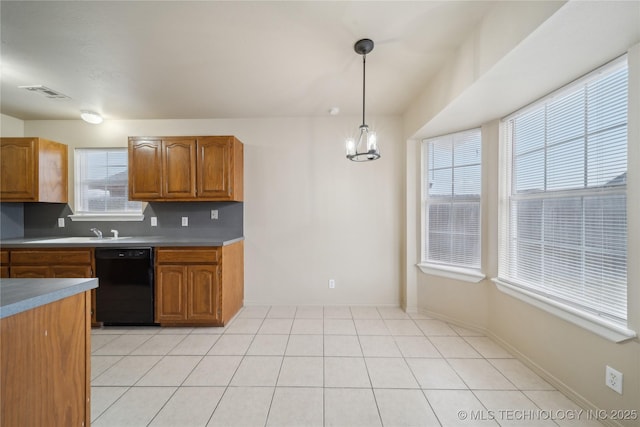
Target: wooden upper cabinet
(179, 167)
(33, 170)
(220, 168)
(145, 169)
(189, 168)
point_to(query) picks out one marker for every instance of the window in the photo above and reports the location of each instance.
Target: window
(451, 201)
(101, 183)
(564, 224)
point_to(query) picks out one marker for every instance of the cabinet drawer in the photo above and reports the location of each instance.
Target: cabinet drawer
(4, 257)
(50, 256)
(191, 255)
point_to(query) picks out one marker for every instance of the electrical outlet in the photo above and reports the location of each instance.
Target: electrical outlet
(613, 379)
(154, 221)
(214, 213)
(61, 222)
(185, 221)
(332, 284)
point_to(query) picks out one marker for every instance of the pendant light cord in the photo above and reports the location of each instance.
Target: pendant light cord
(364, 68)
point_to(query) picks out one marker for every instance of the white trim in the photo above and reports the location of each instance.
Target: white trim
(458, 273)
(106, 217)
(598, 325)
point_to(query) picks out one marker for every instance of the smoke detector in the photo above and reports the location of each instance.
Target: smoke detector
(49, 93)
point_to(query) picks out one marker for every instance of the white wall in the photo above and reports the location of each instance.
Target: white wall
(310, 214)
(10, 126)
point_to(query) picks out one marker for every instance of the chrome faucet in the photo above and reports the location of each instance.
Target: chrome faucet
(115, 233)
(97, 232)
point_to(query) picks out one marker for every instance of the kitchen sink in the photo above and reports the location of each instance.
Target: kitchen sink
(79, 240)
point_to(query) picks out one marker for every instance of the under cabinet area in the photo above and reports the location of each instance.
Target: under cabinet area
(199, 286)
(33, 170)
(186, 168)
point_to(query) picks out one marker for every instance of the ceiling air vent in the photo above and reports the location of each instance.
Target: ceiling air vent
(49, 93)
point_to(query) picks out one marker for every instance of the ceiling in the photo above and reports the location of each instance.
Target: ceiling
(224, 59)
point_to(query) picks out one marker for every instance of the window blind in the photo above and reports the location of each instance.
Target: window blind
(564, 231)
(101, 182)
(451, 199)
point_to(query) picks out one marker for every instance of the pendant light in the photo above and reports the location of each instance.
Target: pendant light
(365, 148)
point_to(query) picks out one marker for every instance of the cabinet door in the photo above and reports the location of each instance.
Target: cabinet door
(145, 169)
(203, 296)
(71, 271)
(4, 264)
(179, 168)
(30, 272)
(215, 168)
(18, 169)
(171, 293)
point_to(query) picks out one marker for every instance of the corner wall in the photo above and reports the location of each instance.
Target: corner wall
(570, 357)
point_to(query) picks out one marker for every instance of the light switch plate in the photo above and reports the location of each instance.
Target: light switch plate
(185, 221)
(154, 221)
(61, 222)
(214, 213)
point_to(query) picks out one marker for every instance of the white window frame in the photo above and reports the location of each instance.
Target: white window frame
(472, 274)
(94, 215)
(601, 326)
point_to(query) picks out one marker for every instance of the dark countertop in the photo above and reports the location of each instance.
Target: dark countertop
(18, 295)
(122, 242)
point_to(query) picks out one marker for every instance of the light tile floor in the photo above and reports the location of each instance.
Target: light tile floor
(317, 366)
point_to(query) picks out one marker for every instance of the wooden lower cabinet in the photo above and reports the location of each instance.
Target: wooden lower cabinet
(54, 263)
(45, 357)
(4, 263)
(199, 286)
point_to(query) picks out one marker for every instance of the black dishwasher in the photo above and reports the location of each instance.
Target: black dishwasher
(125, 292)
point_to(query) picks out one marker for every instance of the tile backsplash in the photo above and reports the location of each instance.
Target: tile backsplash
(41, 220)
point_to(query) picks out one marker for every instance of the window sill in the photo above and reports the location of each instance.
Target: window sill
(599, 326)
(101, 217)
(458, 273)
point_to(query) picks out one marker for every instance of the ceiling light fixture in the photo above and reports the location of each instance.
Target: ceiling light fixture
(366, 147)
(91, 117)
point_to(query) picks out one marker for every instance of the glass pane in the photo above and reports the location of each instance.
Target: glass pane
(528, 131)
(466, 218)
(607, 98)
(440, 217)
(466, 181)
(527, 263)
(465, 250)
(440, 183)
(529, 172)
(565, 165)
(566, 118)
(466, 149)
(607, 158)
(439, 247)
(605, 225)
(563, 222)
(440, 155)
(528, 220)
(562, 271)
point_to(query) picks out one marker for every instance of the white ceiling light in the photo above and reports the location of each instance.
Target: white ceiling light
(91, 117)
